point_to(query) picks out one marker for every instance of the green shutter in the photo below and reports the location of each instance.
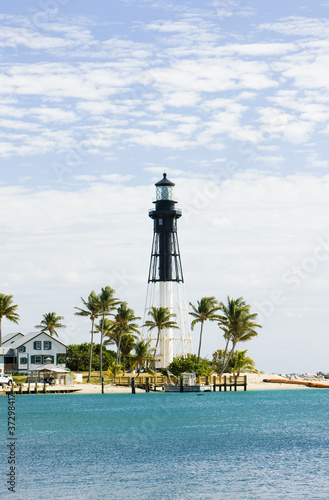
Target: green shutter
(52, 359)
(34, 345)
(49, 345)
(32, 360)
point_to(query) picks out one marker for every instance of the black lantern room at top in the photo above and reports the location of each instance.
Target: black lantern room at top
(165, 262)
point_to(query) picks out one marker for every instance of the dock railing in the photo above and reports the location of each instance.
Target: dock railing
(140, 381)
(218, 382)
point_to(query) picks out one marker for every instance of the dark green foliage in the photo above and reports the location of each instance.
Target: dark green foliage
(206, 309)
(182, 364)
(7, 310)
(78, 357)
(238, 362)
(218, 358)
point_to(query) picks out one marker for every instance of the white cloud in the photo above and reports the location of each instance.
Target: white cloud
(314, 161)
(299, 26)
(136, 85)
(117, 178)
(272, 160)
(279, 124)
(86, 178)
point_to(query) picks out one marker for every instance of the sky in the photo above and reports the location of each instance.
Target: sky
(230, 98)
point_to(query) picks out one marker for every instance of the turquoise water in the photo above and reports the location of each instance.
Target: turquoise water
(234, 445)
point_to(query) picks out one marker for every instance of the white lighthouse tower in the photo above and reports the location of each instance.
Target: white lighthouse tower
(165, 280)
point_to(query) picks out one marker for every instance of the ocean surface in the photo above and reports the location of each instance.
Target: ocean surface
(234, 445)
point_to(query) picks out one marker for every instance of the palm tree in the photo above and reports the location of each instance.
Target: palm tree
(162, 319)
(106, 303)
(142, 354)
(206, 310)
(91, 310)
(240, 361)
(7, 310)
(126, 346)
(124, 322)
(112, 334)
(50, 322)
(237, 324)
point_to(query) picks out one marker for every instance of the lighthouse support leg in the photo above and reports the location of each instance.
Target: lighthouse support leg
(166, 335)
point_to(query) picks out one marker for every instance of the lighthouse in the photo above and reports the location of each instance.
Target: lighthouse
(165, 279)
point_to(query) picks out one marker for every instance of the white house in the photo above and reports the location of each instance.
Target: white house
(23, 353)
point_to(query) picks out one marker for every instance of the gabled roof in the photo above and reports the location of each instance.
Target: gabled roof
(11, 336)
(31, 336)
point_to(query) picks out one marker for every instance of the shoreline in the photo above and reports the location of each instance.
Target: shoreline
(254, 383)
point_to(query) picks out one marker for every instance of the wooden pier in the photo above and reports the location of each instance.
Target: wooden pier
(37, 388)
(230, 382)
(202, 384)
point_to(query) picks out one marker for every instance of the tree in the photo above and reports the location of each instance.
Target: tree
(110, 336)
(50, 323)
(106, 303)
(241, 362)
(162, 319)
(237, 324)
(218, 360)
(190, 363)
(142, 354)
(78, 355)
(7, 310)
(206, 309)
(126, 346)
(91, 310)
(124, 322)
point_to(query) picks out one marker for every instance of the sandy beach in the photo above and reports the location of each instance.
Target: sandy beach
(254, 383)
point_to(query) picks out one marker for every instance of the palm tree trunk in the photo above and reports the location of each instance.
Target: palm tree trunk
(156, 347)
(101, 352)
(224, 357)
(229, 356)
(91, 349)
(201, 330)
(157, 342)
(118, 351)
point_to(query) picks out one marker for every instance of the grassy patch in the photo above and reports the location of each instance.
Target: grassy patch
(19, 379)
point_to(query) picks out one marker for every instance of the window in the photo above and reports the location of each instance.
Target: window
(22, 349)
(37, 360)
(47, 345)
(160, 222)
(23, 361)
(165, 193)
(37, 345)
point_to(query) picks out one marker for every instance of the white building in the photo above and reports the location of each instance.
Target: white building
(23, 353)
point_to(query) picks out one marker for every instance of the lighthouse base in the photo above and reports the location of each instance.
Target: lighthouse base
(172, 342)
